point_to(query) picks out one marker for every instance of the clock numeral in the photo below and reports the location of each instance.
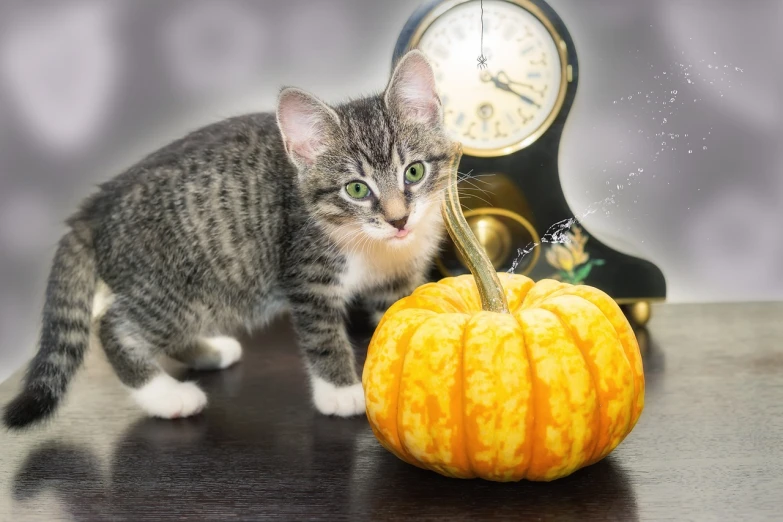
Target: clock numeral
(542, 61)
(528, 34)
(460, 119)
(498, 132)
(468, 133)
(541, 92)
(534, 74)
(441, 35)
(528, 49)
(524, 117)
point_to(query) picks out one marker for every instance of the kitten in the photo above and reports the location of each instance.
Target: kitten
(304, 210)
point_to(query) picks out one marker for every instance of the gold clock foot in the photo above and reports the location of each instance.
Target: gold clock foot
(638, 313)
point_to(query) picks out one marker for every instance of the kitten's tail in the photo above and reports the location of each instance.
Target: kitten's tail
(65, 332)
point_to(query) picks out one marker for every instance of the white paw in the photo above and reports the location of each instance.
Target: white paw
(227, 348)
(345, 401)
(166, 397)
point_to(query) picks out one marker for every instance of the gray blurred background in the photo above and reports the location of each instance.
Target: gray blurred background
(684, 94)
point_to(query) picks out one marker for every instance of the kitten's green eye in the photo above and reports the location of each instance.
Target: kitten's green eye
(414, 172)
(357, 190)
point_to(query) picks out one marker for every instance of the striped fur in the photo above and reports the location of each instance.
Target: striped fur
(225, 228)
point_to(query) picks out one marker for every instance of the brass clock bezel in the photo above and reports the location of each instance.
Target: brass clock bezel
(562, 48)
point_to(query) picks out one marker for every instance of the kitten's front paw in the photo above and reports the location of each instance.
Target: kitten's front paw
(166, 397)
(345, 401)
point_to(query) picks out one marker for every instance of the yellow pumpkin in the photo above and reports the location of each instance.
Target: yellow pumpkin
(494, 376)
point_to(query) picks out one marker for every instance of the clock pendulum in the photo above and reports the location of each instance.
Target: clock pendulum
(509, 114)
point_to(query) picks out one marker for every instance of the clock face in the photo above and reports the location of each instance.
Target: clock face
(507, 104)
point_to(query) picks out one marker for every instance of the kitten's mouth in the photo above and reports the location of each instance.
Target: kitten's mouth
(401, 236)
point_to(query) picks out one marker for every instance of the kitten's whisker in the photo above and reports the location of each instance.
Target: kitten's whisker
(343, 235)
(475, 178)
(471, 186)
(477, 189)
(470, 174)
(488, 203)
(359, 246)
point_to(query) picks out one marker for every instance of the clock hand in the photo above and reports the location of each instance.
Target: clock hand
(509, 81)
(505, 86)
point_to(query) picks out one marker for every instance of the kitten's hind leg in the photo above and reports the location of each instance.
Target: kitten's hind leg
(131, 352)
(210, 353)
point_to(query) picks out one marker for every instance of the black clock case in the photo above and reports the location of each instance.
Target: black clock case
(534, 170)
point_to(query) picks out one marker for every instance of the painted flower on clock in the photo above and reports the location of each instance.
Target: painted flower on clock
(572, 262)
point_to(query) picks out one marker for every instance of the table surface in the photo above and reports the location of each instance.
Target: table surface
(709, 445)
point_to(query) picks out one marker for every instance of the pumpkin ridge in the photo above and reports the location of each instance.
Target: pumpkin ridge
(558, 286)
(438, 467)
(634, 386)
(628, 425)
(569, 330)
(406, 337)
(598, 455)
(534, 409)
(505, 357)
(444, 293)
(498, 383)
(464, 305)
(469, 459)
(637, 379)
(464, 283)
(507, 280)
(408, 326)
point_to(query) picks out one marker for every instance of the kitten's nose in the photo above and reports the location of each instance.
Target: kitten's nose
(399, 224)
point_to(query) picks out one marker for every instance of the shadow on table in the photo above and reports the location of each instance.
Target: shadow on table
(382, 485)
(198, 468)
(338, 471)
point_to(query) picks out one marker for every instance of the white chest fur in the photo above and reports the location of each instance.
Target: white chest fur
(373, 268)
(361, 273)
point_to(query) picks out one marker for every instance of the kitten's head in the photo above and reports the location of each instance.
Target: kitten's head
(372, 169)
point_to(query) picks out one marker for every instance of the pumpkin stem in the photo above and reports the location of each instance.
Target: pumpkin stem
(493, 299)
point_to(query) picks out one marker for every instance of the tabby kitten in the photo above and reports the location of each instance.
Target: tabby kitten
(304, 210)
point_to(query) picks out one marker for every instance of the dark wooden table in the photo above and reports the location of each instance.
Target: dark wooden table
(709, 445)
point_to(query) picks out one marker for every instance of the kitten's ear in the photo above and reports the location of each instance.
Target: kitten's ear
(411, 91)
(306, 124)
